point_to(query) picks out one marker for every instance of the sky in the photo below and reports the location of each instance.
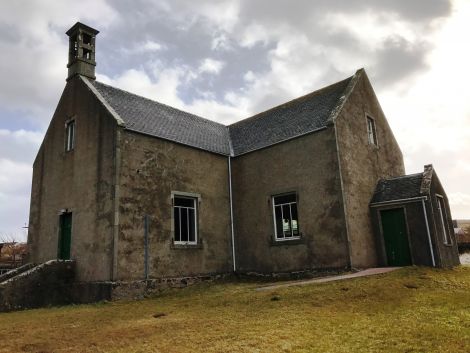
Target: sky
(226, 60)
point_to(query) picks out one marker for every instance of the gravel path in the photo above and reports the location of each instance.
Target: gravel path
(368, 272)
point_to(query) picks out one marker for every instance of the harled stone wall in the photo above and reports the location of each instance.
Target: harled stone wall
(151, 168)
(80, 181)
(362, 165)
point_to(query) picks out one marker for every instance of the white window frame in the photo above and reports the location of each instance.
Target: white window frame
(70, 132)
(443, 216)
(371, 132)
(283, 238)
(196, 199)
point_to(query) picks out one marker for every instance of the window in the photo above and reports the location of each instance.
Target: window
(70, 136)
(443, 216)
(371, 131)
(286, 221)
(185, 219)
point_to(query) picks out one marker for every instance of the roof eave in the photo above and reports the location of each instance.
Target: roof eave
(178, 142)
(281, 141)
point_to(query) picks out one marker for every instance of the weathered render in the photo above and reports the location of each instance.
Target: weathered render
(151, 169)
(79, 181)
(362, 164)
(305, 165)
(117, 172)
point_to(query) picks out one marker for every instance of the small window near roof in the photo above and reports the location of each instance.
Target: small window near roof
(70, 136)
(185, 219)
(286, 220)
(371, 131)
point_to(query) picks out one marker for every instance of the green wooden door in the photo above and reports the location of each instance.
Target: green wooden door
(395, 237)
(65, 236)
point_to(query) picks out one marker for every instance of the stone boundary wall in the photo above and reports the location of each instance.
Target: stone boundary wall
(145, 288)
(53, 284)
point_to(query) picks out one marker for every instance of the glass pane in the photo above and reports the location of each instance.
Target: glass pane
(176, 215)
(286, 221)
(284, 199)
(184, 224)
(184, 201)
(72, 134)
(443, 220)
(278, 222)
(192, 225)
(295, 222)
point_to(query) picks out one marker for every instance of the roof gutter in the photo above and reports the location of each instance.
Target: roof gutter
(400, 201)
(332, 122)
(343, 196)
(116, 195)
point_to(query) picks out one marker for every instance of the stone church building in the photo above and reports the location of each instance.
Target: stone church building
(132, 189)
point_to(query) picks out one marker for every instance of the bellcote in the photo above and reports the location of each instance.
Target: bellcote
(81, 51)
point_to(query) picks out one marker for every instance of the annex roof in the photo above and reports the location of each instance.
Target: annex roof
(399, 188)
(289, 120)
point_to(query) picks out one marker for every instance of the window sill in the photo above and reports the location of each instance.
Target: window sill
(186, 246)
(294, 241)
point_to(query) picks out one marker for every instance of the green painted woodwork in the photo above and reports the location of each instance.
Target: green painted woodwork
(65, 236)
(395, 237)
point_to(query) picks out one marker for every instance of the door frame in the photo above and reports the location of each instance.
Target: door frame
(407, 229)
(59, 231)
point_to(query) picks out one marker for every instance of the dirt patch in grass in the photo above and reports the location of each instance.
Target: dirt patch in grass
(383, 313)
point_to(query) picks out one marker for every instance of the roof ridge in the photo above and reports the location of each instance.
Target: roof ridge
(344, 97)
(290, 102)
(157, 102)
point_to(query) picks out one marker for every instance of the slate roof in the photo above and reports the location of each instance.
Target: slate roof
(399, 188)
(297, 117)
(149, 117)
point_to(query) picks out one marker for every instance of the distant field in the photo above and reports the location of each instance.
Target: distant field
(410, 310)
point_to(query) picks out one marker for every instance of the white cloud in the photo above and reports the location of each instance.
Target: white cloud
(15, 186)
(431, 113)
(17, 151)
(211, 66)
(151, 46)
(164, 89)
(148, 46)
(221, 42)
(33, 64)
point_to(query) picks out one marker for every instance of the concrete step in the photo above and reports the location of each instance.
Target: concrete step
(16, 271)
(33, 286)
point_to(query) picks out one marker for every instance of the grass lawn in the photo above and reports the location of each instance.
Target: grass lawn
(409, 310)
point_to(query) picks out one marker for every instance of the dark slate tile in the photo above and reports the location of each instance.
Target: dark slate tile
(289, 120)
(399, 188)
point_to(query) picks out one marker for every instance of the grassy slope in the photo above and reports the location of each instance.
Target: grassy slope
(410, 310)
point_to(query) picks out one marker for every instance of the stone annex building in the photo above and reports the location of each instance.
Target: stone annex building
(131, 188)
